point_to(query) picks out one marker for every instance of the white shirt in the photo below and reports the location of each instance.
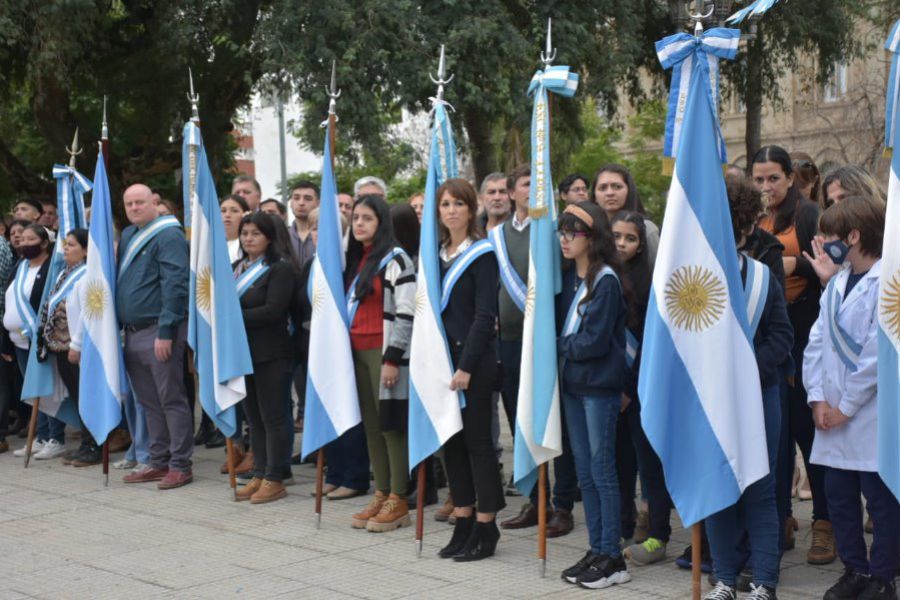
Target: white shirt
(520, 225)
(459, 250)
(12, 320)
(234, 250)
(74, 315)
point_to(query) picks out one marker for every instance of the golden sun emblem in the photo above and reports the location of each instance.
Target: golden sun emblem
(95, 300)
(890, 305)
(204, 289)
(318, 298)
(421, 300)
(695, 298)
(530, 295)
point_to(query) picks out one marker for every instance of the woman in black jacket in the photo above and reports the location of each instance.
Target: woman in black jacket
(469, 321)
(266, 283)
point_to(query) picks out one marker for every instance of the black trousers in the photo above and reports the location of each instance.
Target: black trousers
(472, 470)
(69, 373)
(269, 422)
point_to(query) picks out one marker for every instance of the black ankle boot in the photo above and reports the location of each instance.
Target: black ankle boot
(203, 433)
(461, 533)
(481, 543)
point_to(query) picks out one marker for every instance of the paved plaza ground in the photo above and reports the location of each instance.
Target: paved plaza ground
(64, 535)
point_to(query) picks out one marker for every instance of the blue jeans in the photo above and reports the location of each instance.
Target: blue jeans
(48, 428)
(137, 426)
(348, 460)
(754, 513)
(592, 431)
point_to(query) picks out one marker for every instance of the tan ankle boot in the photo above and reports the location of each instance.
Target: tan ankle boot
(246, 465)
(359, 520)
(246, 491)
(269, 491)
(444, 512)
(821, 551)
(393, 515)
(237, 460)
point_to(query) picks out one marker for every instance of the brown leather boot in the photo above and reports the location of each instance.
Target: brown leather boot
(444, 512)
(360, 519)
(119, 441)
(269, 491)
(246, 491)
(246, 465)
(790, 526)
(238, 458)
(393, 515)
(821, 551)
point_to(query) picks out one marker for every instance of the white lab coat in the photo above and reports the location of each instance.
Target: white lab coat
(852, 446)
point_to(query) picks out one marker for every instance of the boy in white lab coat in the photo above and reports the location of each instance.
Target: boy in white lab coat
(840, 373)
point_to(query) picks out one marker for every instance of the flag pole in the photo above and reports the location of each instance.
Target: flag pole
(104, 151)
(420, 507)
(194, 99)
(32, 427)
(232, 476)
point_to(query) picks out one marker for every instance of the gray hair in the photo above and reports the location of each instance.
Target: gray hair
(495, 176)
(369, 180)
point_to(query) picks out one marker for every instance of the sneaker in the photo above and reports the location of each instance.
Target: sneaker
(604, 572)
(36, 446)
(269, 491)
(651, 551)
(684, 561)
(52, 449)
(761, 592)
(125, 464)
(879, 590)
(361, 519)
(571, 574)
(744, 580)
(721, 592)
(822, 549)
(848, 587)
(246, 492)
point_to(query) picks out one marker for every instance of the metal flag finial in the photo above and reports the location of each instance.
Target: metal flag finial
(699, 17)
(333, 92)
(74, 150)
(441, 80)
(549, 53)
(193, 98)
(104, 128)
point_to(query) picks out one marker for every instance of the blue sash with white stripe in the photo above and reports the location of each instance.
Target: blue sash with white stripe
(511, 281)
(573, 318)
(631, 347)
(846, 347)
(254, 271)
(65, 288)
(459, 267)
(23, 302)
(352, 300)
(756, 290)
(143, 237)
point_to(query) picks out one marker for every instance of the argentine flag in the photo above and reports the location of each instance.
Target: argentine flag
(889, 294)
(332, 405)
(42, 379)
(538, 435)
(434, 409)
(699, 384)
(215, 326)
(103, 384)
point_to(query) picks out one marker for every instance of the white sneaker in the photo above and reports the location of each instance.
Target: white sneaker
(36, 446)
(51, 449)
(124, 463)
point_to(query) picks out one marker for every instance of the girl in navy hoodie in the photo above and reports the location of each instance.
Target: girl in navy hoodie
(591, 349)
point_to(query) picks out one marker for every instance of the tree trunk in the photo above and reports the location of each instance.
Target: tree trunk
(753, 97)
(481, 145)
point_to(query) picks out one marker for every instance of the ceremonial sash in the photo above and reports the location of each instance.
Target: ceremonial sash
(23, 304)
(352, 300)
(459, 267)
(511, 281)
(143, 237)
(254, 271)
(631, 347)
(756, 290)
(60, 294)
(846, 347)
(573, 318)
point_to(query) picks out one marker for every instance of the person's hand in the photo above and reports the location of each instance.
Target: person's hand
(822, 264)
(7, 357)
(820, 410)
(835, 418)
(460, 381)
(790, 265)
(74, 357)
(162, 349)
(626, 400)
(389, 375)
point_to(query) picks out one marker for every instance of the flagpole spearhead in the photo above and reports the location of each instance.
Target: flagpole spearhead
(74, 150)
(441, 79)
(104, 128)
(549, 53)
(193, 98)
(332, 91)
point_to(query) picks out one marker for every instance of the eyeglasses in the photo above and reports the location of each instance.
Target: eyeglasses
(571, 235)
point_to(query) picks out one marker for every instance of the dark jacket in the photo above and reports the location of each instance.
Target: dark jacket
(265, 307)
(804, 311)
(774, 337)
(593, 358)
(765, 247)
(37, 292)
(471, 316)
(301, 312)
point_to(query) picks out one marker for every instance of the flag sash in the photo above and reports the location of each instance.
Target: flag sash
(574, 316)
(143, 237)
(756, 290)
(459, 266)
(352, 300)
(63, 291)
(23, 302)
(508, 276)
(250, 275)
(847, 348)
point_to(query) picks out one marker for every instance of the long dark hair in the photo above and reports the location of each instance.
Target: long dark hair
(381, 245)
(636, 271)
(602, 246)
(633, 199)
(407, 229)
(786, 212)
(279, 247)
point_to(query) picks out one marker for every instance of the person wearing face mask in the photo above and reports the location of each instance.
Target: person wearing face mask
(793, 220)
(614, 189)
(23, 298)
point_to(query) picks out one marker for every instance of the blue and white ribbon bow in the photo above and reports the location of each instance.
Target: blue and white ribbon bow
(70, 189)
(757, 8)
(892, 108)
(689, 56)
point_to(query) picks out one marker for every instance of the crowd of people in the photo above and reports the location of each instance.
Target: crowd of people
(816, 241)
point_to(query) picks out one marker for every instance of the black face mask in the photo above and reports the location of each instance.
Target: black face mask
(31, 251)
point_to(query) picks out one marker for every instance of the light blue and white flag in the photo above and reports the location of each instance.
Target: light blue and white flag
(434, 409)
(103, 384)
(756, 8)
(889, 294)
(538, 435)
(215, 326)
(699, 384)
(689, 56)
(42, 379)
(332, 405)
